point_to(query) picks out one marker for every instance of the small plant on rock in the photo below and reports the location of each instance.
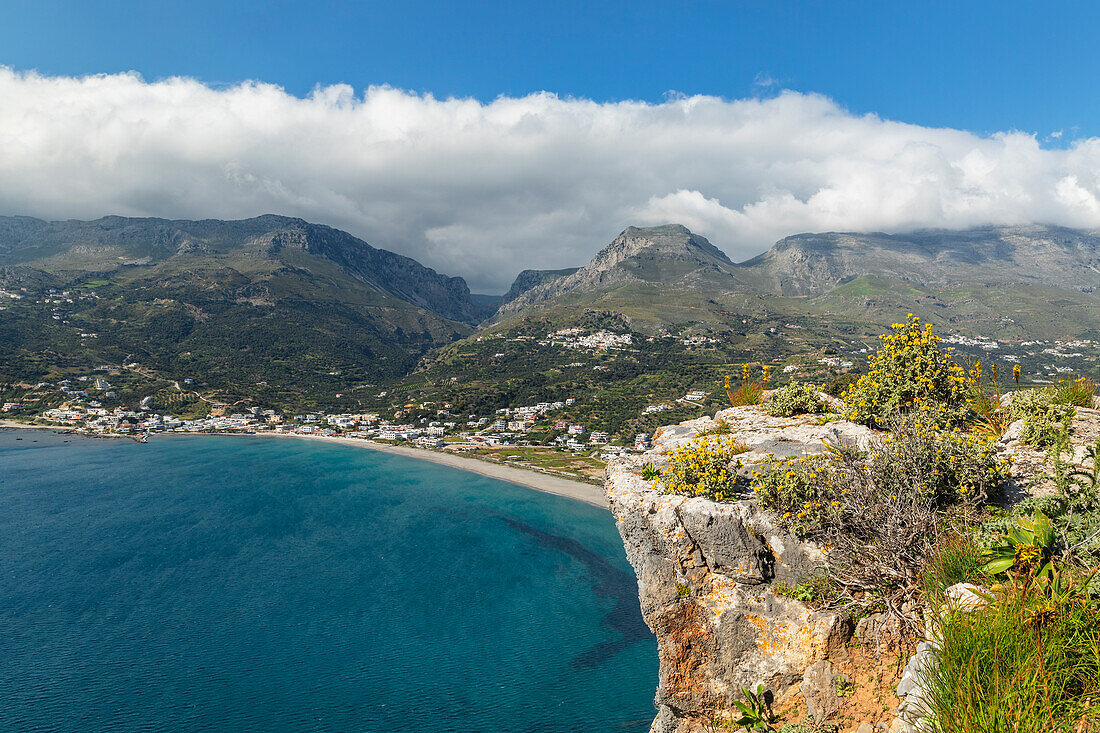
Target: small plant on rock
(1049, 411)
(754, 711)
(794, 398)
(844, 687)
(808, 590)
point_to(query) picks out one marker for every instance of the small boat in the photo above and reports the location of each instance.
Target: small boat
(142, 438)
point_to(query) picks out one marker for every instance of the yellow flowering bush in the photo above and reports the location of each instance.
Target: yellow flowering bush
(940, 463)
(918, 463)
(909, 373)
(706, 466)
(800, 490)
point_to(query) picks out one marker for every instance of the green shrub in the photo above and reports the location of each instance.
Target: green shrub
(1030, 402)
(879, 510)
(1044, 428)
(909, 373)
(1027, 663)
(794, 398)
(807, 590)
(1044, 416)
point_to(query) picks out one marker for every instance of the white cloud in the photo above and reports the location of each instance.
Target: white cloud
(485, 189)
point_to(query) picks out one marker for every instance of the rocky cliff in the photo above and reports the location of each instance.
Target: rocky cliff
(814, 264)
(708, 573)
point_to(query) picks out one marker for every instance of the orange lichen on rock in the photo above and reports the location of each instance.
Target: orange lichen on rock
(684, 650)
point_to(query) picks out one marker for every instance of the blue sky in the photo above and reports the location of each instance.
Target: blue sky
(980, 66)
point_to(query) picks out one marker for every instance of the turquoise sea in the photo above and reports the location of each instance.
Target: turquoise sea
(261, 584)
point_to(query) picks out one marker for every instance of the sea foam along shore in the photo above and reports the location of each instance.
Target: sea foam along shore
(588, 493)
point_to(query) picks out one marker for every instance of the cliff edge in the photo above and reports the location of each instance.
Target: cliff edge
(708, 574)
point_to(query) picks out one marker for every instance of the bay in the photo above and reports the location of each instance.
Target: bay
(251, 583)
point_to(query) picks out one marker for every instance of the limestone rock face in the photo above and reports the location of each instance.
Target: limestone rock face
(784, 437)
(706, 579)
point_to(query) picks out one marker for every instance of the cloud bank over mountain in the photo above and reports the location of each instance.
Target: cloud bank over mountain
(484, 190)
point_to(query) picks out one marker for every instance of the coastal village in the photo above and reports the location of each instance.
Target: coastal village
(505, 436)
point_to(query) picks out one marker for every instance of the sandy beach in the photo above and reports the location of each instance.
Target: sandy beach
(588, 493)
(14, 424)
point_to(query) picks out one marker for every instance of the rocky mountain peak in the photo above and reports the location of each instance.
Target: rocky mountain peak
(669, 255)
(669, 240)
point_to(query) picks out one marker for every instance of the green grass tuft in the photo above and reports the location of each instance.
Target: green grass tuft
(1028, 663)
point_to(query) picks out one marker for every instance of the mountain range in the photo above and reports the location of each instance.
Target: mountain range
(1021, 281)
(278, 300)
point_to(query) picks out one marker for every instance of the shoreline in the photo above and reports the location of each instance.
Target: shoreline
(588, 493)
(536, 480)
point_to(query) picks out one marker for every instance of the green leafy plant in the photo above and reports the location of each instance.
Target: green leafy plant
(650, 472)
(1027, 549)
(807, 590)
(754, 711)
(844, 688)
(720, 427)
(682, 590)
(793, 398)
